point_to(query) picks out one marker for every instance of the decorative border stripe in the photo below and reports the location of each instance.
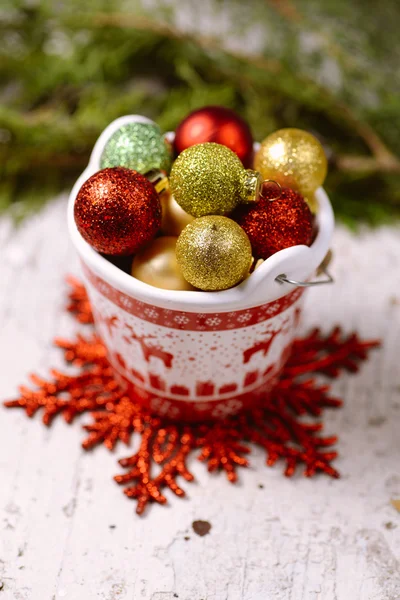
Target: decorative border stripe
(192, 321)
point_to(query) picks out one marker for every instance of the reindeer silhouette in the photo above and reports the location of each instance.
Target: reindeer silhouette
(265, 345)
(110, 322)
(150, 350)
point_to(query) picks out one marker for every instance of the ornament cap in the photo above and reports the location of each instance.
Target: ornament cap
(252, 186)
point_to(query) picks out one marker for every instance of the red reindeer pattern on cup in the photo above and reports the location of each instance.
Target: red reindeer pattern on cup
(192, 365)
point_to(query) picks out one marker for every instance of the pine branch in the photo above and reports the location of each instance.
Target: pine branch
(383, 156)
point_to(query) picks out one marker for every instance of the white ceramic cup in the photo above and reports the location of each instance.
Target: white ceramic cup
(192, 354)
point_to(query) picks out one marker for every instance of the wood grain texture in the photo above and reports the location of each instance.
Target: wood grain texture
(66, 531)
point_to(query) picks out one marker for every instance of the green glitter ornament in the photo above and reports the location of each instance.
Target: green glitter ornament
(137, 146)
(209, 179)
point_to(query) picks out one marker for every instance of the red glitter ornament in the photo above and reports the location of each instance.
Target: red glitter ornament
(164, 447)
(117, 211)
(278, 224)
(216, 124)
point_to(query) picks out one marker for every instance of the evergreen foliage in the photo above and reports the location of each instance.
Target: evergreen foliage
(68, 68)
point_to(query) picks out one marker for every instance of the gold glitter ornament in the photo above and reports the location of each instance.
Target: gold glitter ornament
(295, 159)
(312, 203)
(157, 265)
(174, 219)
(138, 146)
(209, 179)
(214, 253)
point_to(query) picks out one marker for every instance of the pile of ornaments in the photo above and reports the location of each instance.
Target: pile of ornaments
(202, 212)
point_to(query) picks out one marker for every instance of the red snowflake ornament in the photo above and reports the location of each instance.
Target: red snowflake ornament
(276, 426)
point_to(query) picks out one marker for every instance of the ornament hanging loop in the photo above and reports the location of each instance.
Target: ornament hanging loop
(270, 184)
(284, 279)
(254, 186)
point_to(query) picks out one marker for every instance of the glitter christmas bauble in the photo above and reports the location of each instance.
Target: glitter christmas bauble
(214, 253)
(137, 146)
(174, 219)
(157, 265)
(274, 225)
(117, 211)
(209, 179)
(216, 124)
(294, 158)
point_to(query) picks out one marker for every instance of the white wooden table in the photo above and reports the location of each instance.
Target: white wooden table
(67, 531)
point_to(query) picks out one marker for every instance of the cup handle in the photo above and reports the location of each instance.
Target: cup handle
(282, 278)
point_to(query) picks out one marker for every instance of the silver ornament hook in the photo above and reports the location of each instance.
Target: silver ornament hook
(278, 186)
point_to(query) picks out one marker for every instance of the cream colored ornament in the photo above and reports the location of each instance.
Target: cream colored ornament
(174, 219)
(156, 265)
